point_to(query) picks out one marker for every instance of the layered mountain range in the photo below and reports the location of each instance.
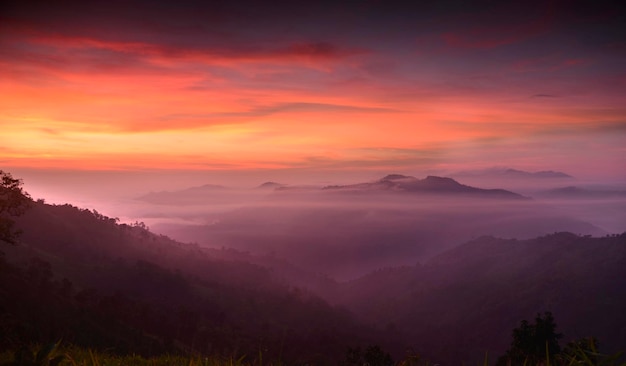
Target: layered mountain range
(348, 230)
(82, 276)
(429, 185)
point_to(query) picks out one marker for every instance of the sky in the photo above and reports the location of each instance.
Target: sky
(311, 89)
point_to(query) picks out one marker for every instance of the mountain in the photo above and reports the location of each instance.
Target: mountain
(395, 183)
(466, 300)
(582, 193)
(513, 173)
(430, 185)
(186, 196)
(346, 231)
(270, 185)
(540, 174)
(83, 277)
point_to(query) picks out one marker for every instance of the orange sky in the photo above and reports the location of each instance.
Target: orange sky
(81, 89)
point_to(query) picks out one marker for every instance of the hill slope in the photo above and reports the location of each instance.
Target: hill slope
(81, 276)
(469, 298)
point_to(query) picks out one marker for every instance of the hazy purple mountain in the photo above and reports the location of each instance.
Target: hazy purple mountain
(513, 173)
(187, 195)
(430, 184)
(582, 193)
(540, 174)
(345, 231)
(270, 185)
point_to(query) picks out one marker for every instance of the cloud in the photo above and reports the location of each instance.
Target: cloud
(548, 63)
(205, 119)
(82, 54)
(378, 158)
(498, 25)
(544, 96)
(317, 107)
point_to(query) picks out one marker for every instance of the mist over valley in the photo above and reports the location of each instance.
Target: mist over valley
(346, 231)
(309, 271)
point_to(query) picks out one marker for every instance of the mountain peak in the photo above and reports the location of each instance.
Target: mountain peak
(430, 184)
(540, 174)
(434, 178)
(392, 177)
(270, 185)
(433, 181)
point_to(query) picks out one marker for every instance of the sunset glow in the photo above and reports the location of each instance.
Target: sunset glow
(369, 182)
(200, 87)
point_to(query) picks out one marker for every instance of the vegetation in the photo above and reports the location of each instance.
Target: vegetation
(465, 301)
(119, 294)
(538, 344)
(13, 202)
(373, 356)
(579, 353)
(534, 343)
(84, 278)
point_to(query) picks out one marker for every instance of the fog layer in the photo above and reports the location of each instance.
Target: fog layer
(348, 230)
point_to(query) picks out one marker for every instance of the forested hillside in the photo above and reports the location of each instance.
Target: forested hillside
(465, 301)
(79, 276)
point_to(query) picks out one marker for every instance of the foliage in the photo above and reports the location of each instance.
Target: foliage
(13, 202)
(581, 349)
(534, 343)
(581, 352)
(585, 352)
(48, 355)
(526, 347)
(373, 356)
(102, 285)
(75, 356)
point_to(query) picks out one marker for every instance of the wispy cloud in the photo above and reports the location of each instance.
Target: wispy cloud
(303, 86)
(544, 96)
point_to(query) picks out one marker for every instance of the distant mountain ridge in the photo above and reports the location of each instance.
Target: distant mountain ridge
(207, 193)
(540, 174)
(270, 185)
(190, 192)
(430, 184)
(390, 183)
(514, 173)
(582, 193)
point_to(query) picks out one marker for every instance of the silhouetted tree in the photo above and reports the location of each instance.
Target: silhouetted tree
(13, 202)
(373, 356)
(580, 350)
(533, 343)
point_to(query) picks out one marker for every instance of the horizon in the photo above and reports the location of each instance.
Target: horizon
(144, 130)
(332, 92)
(104, 103)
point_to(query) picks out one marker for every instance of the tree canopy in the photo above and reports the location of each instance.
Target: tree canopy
(533, 343)
(13, 202)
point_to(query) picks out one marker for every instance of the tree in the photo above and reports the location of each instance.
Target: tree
(13, 202)
(533, 343)
(373, 356)
(582, 349)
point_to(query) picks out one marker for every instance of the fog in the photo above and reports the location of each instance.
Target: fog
(343, 229)
(350, 231)
(427, 261)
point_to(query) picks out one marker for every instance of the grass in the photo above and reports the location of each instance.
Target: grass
(57, 355)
